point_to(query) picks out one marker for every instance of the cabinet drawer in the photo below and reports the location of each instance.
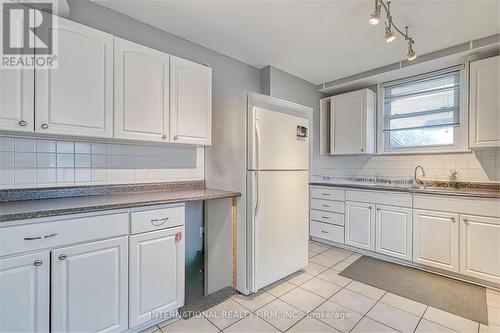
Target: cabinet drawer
(156, 219)
(36, 236)
(327, 193)
(326, 231)
(329, 206)
(327, 217)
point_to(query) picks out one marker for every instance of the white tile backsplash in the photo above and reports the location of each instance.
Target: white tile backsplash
(471, 166)
(45, 162)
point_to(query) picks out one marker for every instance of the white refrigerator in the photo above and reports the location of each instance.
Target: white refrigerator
(277, 194)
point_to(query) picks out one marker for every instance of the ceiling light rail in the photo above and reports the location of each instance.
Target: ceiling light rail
(390, 27)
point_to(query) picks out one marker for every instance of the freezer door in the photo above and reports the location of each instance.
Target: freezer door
(277, 141)
(278, 224)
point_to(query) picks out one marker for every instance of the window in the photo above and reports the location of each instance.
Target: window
(424, 113)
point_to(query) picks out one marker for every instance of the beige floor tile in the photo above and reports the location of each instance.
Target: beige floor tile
(254, 301)
(337, 316)
(279, 288)
(405, 304)
(366, 290)
(334, 277)
(491, 328)
(309, 325)
(393, 317)
(426, 326)
(194, 324)
(302, 299)
(353, 301)
(168, 322)
(325, 260)
(298, 278)
(251, 323)
(314, 269)
(341, 266)
(226, 313)
(450, 320)
(493, 298)
(321, 287)
(493, 315)
(280, 314)
(338, 253)
(318, 247)
(312, 254)
(152, 329)
(367, 325)
(353, 257)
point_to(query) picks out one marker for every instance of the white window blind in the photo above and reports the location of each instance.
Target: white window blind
(422, 112)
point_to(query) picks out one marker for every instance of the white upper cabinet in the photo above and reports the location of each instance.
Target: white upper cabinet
(141, 92)
(89, 287)
(352, 123)
(17, 95)
(76, 98)
(24, 293)
(190, 102)
(435, 239)
(484, 103)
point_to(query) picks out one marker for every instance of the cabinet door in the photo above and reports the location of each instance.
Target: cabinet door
(347, 123)
(156, 274)
(24, 293)
(190, 102)
(141, 92)
(89, 287)
(480, 247)
(17, 111)
(435, 239)
(484, 103)
(360, 225)
(76, 98)
(394, 231)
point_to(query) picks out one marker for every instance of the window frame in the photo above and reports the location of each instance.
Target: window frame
(460, 134)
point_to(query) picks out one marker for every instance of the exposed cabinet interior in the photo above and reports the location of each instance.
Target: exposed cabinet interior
(484, 127)
(76, 97)
(324, 126)
(141, 92)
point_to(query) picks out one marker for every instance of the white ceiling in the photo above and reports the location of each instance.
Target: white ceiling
(318, 41)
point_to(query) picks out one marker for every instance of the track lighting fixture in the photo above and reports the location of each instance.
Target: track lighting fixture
(390, 27)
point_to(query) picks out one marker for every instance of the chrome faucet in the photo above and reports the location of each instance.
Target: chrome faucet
(415, 178)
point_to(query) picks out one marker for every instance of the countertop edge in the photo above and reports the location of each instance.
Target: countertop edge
(96, 208)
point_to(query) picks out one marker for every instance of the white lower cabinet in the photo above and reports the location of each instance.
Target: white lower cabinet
(393, 228)
(360, 225)
(24, 293)
(480, 247)
(156, 274)
(435, 239)
(89, 287)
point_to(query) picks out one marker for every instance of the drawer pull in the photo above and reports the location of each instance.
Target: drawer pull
(62, 257)
(325, 217)
(327, 194)
(466, 221)
(40, 237)
(325, 232)
(327, 206)
(453, 220)
(38, 262)
(159, 222)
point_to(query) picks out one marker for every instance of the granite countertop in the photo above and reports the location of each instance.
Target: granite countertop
(35, 208)
(461, 192)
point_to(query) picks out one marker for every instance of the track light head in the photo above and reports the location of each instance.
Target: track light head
(374, 18)
(411, 52)
(390, 36)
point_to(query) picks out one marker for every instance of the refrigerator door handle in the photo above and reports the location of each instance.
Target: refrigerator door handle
(257, 143)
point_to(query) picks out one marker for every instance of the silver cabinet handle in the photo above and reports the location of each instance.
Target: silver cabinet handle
(158, 222)
(370, 207)
(325, 232)
(466, 221)
(38, 262)
(362, 149)
(163, 137)
(327, 194)
(22, 123)
(325, 217)
(40, 237)
(175, 137)
(44, 126)
(453, 220)
(326, 206)
(378, 208)
(62, 257)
